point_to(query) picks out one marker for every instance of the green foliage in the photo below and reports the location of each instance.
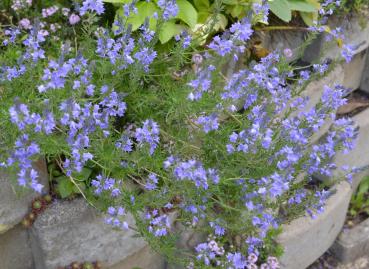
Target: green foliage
(186, 18)
(360, 200)
(283, 9)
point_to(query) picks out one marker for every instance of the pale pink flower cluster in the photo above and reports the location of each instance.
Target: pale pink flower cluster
(47, 12)
(21, 4)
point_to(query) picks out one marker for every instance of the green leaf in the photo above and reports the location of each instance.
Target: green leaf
(168, 30)
(117, 1)
(64, 187)
(203, 17)
(83, 175)
(221, 23)
(187, 13)
(237, 11)
(301, 5)
(202, 5)
(230, 2)
(144, 10)
(281, 9)
(309, 17)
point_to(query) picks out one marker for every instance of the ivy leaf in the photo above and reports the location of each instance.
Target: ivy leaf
(301, 5)
(281, 9)
(64, 187)
(187, 13)
(168, 30)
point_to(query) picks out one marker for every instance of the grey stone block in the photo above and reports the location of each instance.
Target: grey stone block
(306, 239)
(15, 249)
(143, 259)
(353, 243)
(315, 90)
(70, 231)
(280, 40)
(364, 85)
(353, 71)
(14, 200)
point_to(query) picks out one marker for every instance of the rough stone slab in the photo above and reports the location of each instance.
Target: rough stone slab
(15, 249)
(14, 200)
(70, 231)
(356, 34)
(353, 71)
(280, 40)
(353, 243)
(306, 239)
(365, 76)
(143, 259)
(315, 90)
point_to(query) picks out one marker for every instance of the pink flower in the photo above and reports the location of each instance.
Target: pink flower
(288, 53)
(25, 23)
(73, 19)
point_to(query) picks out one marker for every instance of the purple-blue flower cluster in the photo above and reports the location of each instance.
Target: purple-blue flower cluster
(148, 135)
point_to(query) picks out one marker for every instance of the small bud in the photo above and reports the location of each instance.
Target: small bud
(37, 205)
(75, 265)
(26, 223)
(88, 265)
(48, 198)
(31, 216)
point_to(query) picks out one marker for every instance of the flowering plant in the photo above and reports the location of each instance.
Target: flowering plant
(172, 137)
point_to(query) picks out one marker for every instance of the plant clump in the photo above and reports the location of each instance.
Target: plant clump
(226, 153)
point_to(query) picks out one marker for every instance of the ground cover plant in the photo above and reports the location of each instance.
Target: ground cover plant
(169, 133)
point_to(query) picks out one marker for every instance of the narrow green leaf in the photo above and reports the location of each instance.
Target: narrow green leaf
(281, 9)
(187, 13)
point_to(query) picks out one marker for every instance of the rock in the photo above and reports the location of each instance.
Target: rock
(70, 231)
(15, 249)
(143, 259)
(315, 90)
(280, 40)
(364, 85)
(352, 244)
(356, 33)
(353, 71)
(306, 239)
(14, 200)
